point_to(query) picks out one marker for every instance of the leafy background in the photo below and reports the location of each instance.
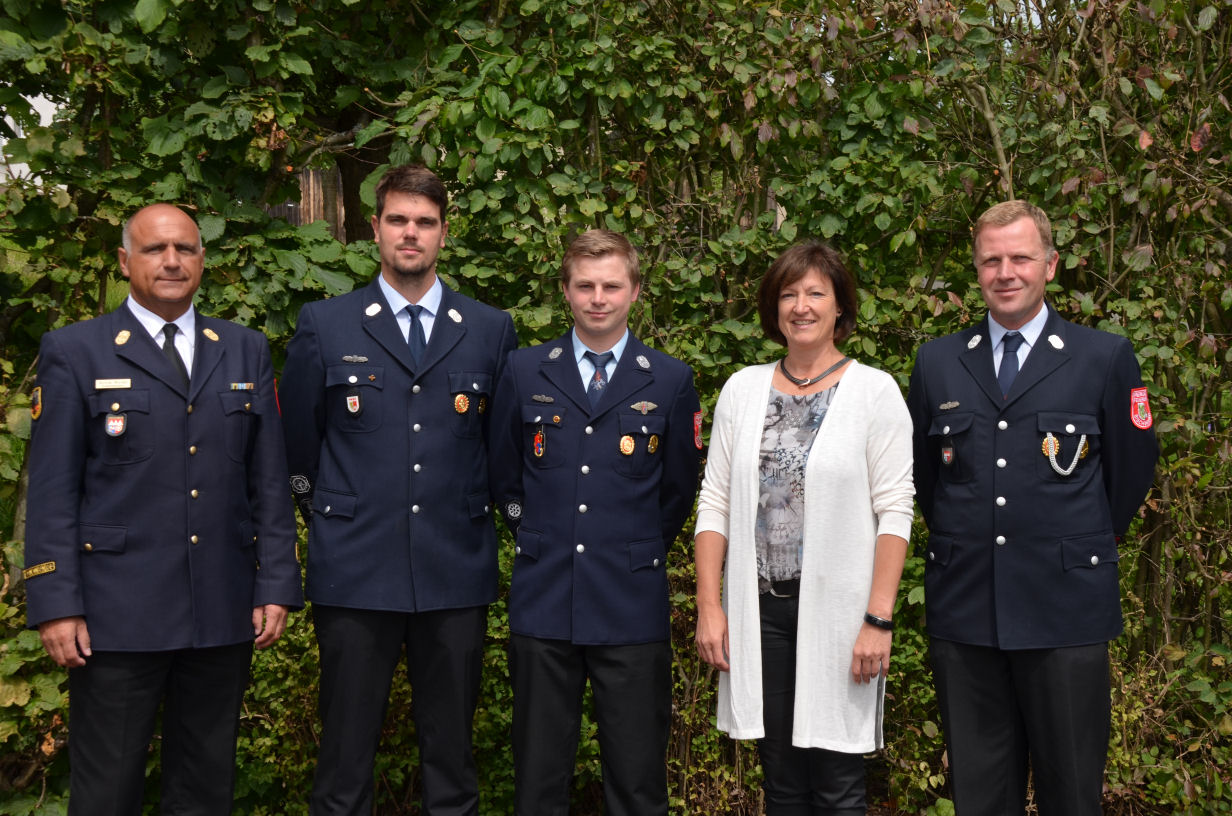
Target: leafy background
(716, 133)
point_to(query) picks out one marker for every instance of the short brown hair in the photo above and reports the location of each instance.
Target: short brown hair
(791, 266)
(1006, 213)
(597, 243)
(411, 179)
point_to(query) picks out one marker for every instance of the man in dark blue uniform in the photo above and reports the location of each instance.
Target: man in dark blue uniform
(159, 537)
(386, 395)
(1033, 450)
(595, 464)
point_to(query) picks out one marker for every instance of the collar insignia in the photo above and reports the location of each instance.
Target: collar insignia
(1056, 342)
(556, 352)
(122, 337)
(373, 309)
(974, 341)
(642, 361)
(211, 335)
(454, 316)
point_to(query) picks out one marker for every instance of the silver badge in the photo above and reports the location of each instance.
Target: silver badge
(975, 341)
(354, 358)
(300, 484)
(373, 309)
(556, 352)
(946, 406)
(642, 361)
(513, 510)
(543, 398)
(643, 407)
(1056, 342)
(454, 316)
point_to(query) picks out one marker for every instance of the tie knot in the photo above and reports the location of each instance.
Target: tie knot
(1011, 342)
(169, 332)
(599, 359)
(414, 310)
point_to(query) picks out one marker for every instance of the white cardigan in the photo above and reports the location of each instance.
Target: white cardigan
(857, 486)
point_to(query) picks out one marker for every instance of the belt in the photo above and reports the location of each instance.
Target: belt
(785, 589)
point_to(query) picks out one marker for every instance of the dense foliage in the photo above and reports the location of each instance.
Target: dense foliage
(716, 133)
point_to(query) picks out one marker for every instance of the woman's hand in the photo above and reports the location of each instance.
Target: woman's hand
(712, 645)
(871, 656)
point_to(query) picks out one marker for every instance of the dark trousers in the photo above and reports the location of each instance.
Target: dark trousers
(359, 652)
(113, 706)
(632, 688)
(1004, 710)
(798, 781)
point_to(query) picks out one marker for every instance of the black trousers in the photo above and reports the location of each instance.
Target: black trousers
(798, 781)
(359, 652)
(1049, 709)
(632, 688)
(113, 706)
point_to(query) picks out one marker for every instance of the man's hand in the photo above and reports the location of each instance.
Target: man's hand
(268, 624)
(67, 640)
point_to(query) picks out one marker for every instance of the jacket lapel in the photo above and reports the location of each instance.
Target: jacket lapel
(1047, 355)
(379, 322)
(207, 354)
(560, 369)
(133, 344)
(977, 359)
(630, 377)
(448, 329)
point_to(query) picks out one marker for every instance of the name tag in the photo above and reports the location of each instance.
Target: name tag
(102, 385)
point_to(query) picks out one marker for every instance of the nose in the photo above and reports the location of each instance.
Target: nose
(171, 258)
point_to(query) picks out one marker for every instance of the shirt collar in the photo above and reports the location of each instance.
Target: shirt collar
(186, 323)
(431, 301)
(580, 348)
(1030, 331)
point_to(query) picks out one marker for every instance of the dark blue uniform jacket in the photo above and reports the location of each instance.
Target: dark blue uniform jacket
(1020, 556)
(394, 459)
(160, 516)
(596, 496)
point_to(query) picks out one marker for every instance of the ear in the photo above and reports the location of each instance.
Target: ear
(122, 256)
(444, 232)
(376, 233)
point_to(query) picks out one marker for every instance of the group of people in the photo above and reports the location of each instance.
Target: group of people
(161, 540)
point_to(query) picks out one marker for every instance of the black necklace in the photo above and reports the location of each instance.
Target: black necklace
(803, 382)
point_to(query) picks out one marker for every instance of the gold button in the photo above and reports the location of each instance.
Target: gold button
(248, 406)
(194, 493)
(115, 406)
(193, 539)
(192, 450)
(190, 408)
(89, 547)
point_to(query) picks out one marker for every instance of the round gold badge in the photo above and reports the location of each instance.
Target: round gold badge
(461, 403)
(1051, 446)
(626, 445)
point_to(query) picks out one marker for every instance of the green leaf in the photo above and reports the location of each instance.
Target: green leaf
(162, 137)
(295, 64)
(150, 13)
(212, 227)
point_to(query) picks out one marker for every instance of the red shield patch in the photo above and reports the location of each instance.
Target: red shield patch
(1140, 409)
(352, 403)
(116, 423)
(697, 430)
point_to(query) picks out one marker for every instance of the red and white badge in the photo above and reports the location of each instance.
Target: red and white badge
(116, 424)
(352, 403)
(1140, 409)
(697, 430)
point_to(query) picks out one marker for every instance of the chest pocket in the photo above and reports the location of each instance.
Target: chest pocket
(543, 435)
(471, 392)
(641, 444)
(951, 441)
(239, 409)
(120, 426)
(1069, 446)
(353, 397)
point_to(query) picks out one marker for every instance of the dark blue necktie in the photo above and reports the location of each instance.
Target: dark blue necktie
(1009, 361)
(594, 389)
(172, 354)
(415, 337)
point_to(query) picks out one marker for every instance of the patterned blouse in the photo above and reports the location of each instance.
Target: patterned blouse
(791, 426)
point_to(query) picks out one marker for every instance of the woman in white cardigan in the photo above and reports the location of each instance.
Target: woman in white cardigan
(803, 521)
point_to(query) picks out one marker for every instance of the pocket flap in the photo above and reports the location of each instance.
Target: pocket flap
(542, 414)
(1089, 551)
(939, 549)
(120, 401)
(647, 554)
(103, 538)
(470, 382)
(1064, 422)
(355, 375)
(642, 424)
(238, 402)
(330, 504)
(528, 544)
(948, 424)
